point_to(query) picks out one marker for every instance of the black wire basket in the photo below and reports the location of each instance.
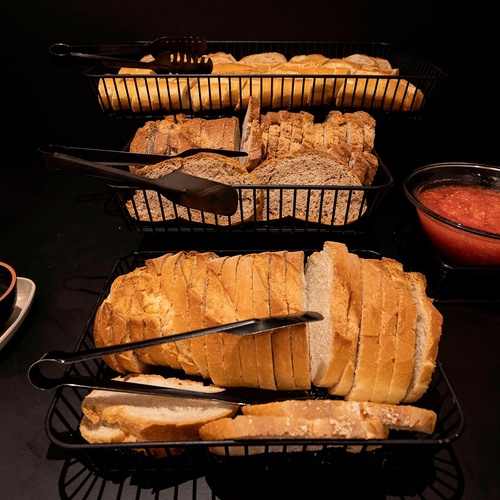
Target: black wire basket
(400, 449)
(128, 94)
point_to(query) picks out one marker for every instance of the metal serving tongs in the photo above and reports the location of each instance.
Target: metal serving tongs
(171, 55)
(183, 189)
(238, 395)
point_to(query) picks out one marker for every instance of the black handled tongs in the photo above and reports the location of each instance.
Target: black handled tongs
(239, 395)
(170, 55)
(184, 189)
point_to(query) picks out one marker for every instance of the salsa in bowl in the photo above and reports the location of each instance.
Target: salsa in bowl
(458, 205)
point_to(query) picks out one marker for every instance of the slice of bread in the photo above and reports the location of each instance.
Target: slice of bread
(296, 297)
(343, 386)
(111, 417)
(369, 335)
(244, 310)
(428, 334)
(389, 308)
(331, 344)
(405, 333)
(151, 206)
(393, 417)
(310, 168)
(279, 303)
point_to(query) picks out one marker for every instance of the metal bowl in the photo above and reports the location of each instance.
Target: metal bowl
(456, 232)
(8, 291)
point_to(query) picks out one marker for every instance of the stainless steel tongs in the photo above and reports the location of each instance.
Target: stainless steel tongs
(237, 395)
(184, 189)
(170, 55)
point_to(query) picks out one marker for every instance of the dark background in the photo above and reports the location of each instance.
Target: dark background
(57, 229)
(45, 103)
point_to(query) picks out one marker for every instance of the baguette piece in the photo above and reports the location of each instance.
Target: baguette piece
(119, 417)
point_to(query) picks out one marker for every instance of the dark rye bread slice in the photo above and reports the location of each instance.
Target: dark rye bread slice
(310, 168)
(331, 343)
(211, 166)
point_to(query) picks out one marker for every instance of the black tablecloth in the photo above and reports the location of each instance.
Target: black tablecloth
(63, 232)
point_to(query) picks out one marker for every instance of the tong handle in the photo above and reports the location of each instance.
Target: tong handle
(185, 45)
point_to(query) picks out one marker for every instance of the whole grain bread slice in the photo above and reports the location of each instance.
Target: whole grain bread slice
(149, 205)
(310, 168)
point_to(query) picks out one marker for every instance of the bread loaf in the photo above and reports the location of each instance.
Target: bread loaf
(378, 340)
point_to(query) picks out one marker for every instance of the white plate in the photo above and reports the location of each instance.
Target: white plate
(25, 293)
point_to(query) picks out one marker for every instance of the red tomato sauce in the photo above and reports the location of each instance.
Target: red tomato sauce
(475, 207)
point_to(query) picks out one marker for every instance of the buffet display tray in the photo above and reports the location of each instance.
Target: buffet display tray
(400, 449)
(153, 95)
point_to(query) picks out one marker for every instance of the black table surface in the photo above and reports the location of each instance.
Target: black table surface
(63, 232)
